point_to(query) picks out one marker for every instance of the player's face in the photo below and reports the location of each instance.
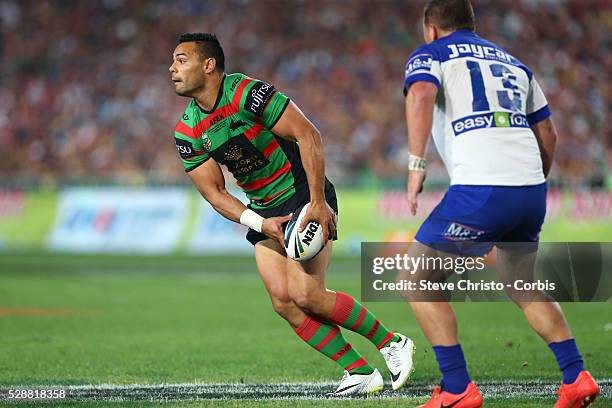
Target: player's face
(187, 69)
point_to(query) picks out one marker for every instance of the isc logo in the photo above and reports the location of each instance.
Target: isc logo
(313, 226)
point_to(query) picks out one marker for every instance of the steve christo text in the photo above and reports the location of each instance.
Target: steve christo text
(463, 285)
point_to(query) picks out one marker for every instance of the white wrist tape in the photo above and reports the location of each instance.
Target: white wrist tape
(251, 219)
(416, 163)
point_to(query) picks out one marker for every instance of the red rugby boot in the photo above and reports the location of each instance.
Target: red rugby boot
(581, 393)
(470, 398)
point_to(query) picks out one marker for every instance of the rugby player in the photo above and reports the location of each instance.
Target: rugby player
(493, 129)
(275, 154)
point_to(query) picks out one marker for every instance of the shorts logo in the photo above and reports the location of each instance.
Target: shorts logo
(420, 62)
(489, 120)
(258, 97)
(460, 232)
(206, 143)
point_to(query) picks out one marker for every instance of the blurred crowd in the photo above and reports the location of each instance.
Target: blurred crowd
(85, 92)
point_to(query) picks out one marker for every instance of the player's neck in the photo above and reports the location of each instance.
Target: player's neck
(442, 33)
(206, 97)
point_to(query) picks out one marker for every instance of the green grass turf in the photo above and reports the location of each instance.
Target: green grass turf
(151, 320)
(403, 403)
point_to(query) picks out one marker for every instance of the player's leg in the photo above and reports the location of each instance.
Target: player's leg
(308, 290)
(321, 334)
(517, 261)
(547, 319)
(455, 219)
(271, 263)
(439, 325)
(542, 312)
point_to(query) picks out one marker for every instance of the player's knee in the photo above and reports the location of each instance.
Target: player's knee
(307, 299)
(283, 306)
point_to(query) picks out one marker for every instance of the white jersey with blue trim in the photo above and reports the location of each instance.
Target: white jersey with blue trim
(486, 102)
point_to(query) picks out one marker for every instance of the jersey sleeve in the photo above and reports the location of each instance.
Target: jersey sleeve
(537, 107)
(264, 104)
(423, 65)
(190, 148)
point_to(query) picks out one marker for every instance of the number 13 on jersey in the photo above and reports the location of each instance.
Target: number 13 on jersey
(503, 80)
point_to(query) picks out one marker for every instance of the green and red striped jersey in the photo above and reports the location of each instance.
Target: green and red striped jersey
(237, 133)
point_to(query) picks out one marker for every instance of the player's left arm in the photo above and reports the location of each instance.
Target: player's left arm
(293, 125)
(541, 123)
(546, 135)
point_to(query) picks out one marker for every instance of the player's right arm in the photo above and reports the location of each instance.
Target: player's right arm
(419, 115)
(207, 177)
(421, 87)
(209, 181)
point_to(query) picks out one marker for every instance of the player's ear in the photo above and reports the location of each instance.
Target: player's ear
(430, 32)
(210, 64)
(435, 32)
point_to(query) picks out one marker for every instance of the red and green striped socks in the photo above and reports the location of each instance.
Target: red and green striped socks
(352, 315)
(327, 339)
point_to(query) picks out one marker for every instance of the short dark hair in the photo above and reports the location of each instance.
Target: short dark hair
(450, 15)
(208, 46)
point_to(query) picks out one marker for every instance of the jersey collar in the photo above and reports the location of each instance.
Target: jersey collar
(219, 94)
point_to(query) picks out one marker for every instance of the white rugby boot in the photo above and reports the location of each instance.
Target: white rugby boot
(354, 384)
(398, 356)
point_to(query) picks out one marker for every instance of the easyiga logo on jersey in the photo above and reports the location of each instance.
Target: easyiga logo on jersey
(460, 232)
(489, 120)
(419, 62)
(478, 51)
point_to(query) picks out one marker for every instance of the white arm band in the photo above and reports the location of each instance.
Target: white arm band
(251, 219)
(416, 163)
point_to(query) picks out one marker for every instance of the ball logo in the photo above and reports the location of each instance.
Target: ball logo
(305, 244)
(312, 228)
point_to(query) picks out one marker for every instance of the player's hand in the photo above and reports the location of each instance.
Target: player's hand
(415, 186)
(319, 211)
(273, 227)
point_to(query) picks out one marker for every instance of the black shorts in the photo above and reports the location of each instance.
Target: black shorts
(298, 200)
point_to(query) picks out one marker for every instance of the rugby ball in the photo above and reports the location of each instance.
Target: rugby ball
(304, 245)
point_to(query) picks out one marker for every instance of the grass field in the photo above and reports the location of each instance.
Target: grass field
(135, 321)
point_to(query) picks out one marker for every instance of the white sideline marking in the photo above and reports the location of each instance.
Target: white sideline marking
(283, 391)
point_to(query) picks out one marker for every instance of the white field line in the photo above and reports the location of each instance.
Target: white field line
(281, 391)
